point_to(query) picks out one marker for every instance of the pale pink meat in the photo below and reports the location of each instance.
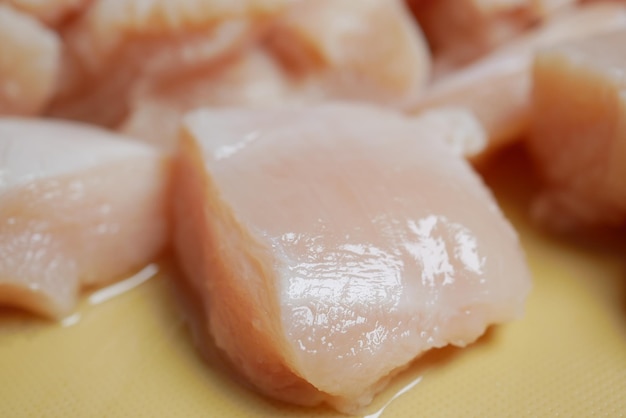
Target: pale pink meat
(50, 12)
(252, 79)
(497, 88)
(359, 50)
(78, 207)
(334, 244)
(578, 139)
(116, 46)
(314, 52)
(459, 31)
(30, 57)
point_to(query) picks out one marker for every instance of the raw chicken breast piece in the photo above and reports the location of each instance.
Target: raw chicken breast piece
(460, 31)
(108, 24)
(29, 63)
(328, 50)
(252, 79)
(359, 50)
(332, 245)
(578, 136)
(51, 12)
(497, 88)
(255, 79)
(78, 207)
(117, 46)
(547, 8)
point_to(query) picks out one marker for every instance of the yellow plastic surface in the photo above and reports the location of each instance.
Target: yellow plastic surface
(132, 356)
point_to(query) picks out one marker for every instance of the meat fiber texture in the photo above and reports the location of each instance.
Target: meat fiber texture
(332, 245)
(79, 207)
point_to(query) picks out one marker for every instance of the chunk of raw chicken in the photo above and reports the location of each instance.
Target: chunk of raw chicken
(497, 88)
(328, 49)
(578, 138)
(29, 63)
(252, 79)
(460, 31)
(116, 46)
(78, 207)
(332, 245)
(364, 50)
(51, 12)
(108, 24)
(255, 81)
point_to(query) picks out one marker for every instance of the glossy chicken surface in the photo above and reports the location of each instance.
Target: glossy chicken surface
(78, 207)
(334, 244)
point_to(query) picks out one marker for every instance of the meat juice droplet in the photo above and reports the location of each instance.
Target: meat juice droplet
(402, 391)
(70, 320)
(112, 291)
(124, 286)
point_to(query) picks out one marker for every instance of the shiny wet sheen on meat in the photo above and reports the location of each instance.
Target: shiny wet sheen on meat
(334, 244)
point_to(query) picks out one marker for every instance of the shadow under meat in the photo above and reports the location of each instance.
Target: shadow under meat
(13, 319)
(513, 179)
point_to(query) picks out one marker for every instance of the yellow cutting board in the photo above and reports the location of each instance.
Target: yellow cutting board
(132, 355)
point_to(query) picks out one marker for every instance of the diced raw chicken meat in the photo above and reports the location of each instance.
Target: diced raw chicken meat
(78, 207)
(460, 31)
(252, 79)
(29, 63)
(338, 62)
(110, 23)
(579, 132)
(497, 88)
(116, 45)
(51, 12)
(332, 245)
(363, 50)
